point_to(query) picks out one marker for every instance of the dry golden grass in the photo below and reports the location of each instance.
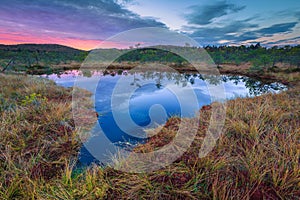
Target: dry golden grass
(257, 156)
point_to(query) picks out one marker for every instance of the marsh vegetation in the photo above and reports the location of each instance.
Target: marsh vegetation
(257, 156)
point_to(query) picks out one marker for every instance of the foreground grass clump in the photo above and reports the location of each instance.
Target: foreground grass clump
(37, 134)
(257, 156)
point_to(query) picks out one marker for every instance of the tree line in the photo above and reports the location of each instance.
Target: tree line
(24, 57)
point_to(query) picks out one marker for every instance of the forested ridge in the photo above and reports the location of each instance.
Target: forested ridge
(46, 56)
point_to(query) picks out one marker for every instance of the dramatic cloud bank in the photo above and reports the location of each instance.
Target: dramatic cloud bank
(85, 23)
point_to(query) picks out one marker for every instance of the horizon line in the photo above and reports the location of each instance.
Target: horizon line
(83, 49)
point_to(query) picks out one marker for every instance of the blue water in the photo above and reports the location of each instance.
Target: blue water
(151, 103)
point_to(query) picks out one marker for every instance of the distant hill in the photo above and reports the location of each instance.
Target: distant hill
(39, 47)
(42, 58)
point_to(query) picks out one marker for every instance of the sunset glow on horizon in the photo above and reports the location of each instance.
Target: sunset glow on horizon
(75, 43)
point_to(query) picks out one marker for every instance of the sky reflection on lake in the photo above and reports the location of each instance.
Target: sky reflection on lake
(151, 103)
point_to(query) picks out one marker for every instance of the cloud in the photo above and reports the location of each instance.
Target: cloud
(288, 13)
(236, 32)
(277, 28)
(90, 19)
(266, 32)
(207, 25)
(203, 15)
(288, 41)
(231, 28)
(127, 2)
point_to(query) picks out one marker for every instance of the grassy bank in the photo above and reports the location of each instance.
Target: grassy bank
(257, 156)
(37, 134)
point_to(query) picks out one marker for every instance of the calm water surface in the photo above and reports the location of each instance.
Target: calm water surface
(151, 91)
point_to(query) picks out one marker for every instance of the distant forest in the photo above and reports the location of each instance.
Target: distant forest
(34, 56)
(31, 56)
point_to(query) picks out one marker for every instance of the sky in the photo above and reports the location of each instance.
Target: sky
(83, 24)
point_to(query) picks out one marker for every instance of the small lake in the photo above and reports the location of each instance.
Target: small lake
(150, 103)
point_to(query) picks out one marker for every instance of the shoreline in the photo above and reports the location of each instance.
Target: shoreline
(271, 74)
